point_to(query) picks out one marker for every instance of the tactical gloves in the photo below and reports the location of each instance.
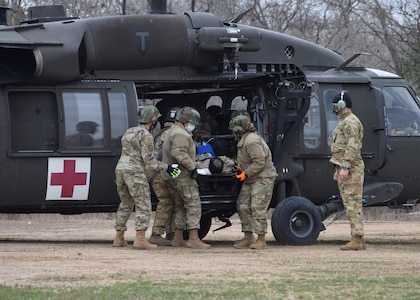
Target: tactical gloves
(173, 170)
(240, 174)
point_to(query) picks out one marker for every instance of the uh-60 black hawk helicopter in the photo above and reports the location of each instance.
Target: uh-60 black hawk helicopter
(63, 77)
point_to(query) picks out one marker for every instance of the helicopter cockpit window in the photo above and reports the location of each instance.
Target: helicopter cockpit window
(402, 112)
(34, 122)
(83, 115)
(312, 128)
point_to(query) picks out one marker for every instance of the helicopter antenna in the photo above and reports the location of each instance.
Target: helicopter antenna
(238, 17)
(344, 64)
(123, 7)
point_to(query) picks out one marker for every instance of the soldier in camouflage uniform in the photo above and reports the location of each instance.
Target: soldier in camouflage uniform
(178, 148)
(257, 172)
(132, 186)
(164, 213)
(349, 166)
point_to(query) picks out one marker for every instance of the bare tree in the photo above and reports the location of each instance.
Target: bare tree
(396, 25)
(17, 10)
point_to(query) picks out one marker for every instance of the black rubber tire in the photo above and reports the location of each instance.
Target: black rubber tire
(205, 224)
(296, 221)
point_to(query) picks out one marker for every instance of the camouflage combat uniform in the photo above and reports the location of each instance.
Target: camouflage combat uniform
(179, 148)
(254, 157)
(164, 210)
(132, 185)
(346, 152)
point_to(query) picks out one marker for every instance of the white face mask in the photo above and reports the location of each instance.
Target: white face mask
(190, 127)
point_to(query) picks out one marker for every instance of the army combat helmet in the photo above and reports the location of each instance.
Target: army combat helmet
(238, 113)
(148, 114)
(241, 124)
(188, 114)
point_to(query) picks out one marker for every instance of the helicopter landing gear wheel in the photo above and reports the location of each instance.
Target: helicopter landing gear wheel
(296, 221)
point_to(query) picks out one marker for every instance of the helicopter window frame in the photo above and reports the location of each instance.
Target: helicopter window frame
(320, 121)
(118, 116)
(402, 112)
(84, 120)
(34, 124)
(330, 117)
(312, 125)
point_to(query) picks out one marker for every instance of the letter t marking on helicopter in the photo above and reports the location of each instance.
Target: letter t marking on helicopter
(142, 41)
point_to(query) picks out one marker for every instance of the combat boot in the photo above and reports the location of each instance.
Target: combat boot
(140, 241)
(195, 242)
(246, 242)
(363, 243)
(119, 239)
(356, 243)
(178, 240)
(260, 244)
(158, 240)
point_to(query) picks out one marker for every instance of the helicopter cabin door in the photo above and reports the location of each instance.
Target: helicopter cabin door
(319, 124)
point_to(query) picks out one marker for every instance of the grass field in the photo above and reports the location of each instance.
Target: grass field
(88, 268)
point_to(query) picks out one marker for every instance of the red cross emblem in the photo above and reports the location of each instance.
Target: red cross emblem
(68, 178)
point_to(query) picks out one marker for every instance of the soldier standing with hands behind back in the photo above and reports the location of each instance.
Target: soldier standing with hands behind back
(349, 166)
(132, 185)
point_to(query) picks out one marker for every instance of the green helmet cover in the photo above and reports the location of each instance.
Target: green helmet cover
(240, 124)
(188, 114)
(148, 114)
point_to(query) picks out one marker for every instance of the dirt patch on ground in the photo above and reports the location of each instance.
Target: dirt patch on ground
(76, 251)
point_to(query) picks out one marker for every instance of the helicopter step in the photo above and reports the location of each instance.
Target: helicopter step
(381, 192)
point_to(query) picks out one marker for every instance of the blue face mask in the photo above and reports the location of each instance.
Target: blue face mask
(190, 127)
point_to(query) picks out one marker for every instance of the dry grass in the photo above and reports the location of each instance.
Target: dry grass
(56, 252)
(370, 213)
